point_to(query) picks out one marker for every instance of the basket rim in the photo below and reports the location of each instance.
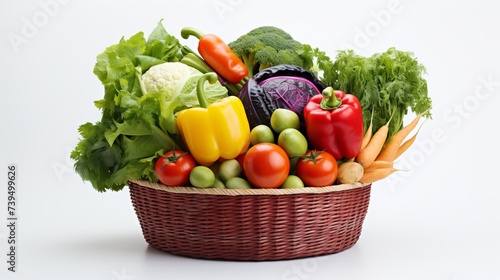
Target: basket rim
(238, 192)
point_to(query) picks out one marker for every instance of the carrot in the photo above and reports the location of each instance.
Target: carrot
(377, 174)
(368, 134)
(390, 150)
(407, 144)
(368, 155)
(379, 164)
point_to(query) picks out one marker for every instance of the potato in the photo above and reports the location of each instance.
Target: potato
(350, 172)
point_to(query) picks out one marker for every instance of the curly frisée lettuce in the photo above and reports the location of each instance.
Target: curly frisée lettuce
(138, 109)
(387, 84)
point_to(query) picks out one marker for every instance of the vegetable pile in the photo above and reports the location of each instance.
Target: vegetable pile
(263, 111)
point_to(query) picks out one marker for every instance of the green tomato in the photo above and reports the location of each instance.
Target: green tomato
(282, 119)
(228, 169)
(202, 177)
(293, 142)
(237, 183)
(292, 182)
(261, 134)
(218, 184)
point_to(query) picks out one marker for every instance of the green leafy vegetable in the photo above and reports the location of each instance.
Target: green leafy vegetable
(137, 125)
(176, 83)
(387, 84)
(267, 46)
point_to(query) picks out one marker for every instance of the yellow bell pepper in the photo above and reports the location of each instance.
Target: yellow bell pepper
(220, 130)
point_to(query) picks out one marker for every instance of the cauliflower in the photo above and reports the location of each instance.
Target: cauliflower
(175, 84)
(166, 77)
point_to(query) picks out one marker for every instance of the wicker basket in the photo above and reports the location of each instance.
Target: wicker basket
(256, 224)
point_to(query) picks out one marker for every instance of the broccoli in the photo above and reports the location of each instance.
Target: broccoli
(267, 46)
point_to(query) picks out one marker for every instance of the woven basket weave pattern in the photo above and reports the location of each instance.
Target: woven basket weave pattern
(249, 226)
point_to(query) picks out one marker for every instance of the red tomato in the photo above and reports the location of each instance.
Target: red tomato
(266, 165)
(173, 168)
(317, 169)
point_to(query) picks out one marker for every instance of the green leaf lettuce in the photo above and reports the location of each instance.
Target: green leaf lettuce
(136, 126)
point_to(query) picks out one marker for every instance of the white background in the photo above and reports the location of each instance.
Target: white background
(437, 221)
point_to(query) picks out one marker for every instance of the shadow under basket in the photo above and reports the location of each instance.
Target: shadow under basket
(251, 224)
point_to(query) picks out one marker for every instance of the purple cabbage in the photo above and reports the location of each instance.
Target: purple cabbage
(281, 86)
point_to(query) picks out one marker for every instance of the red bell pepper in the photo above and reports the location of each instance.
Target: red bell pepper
(334, 123)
